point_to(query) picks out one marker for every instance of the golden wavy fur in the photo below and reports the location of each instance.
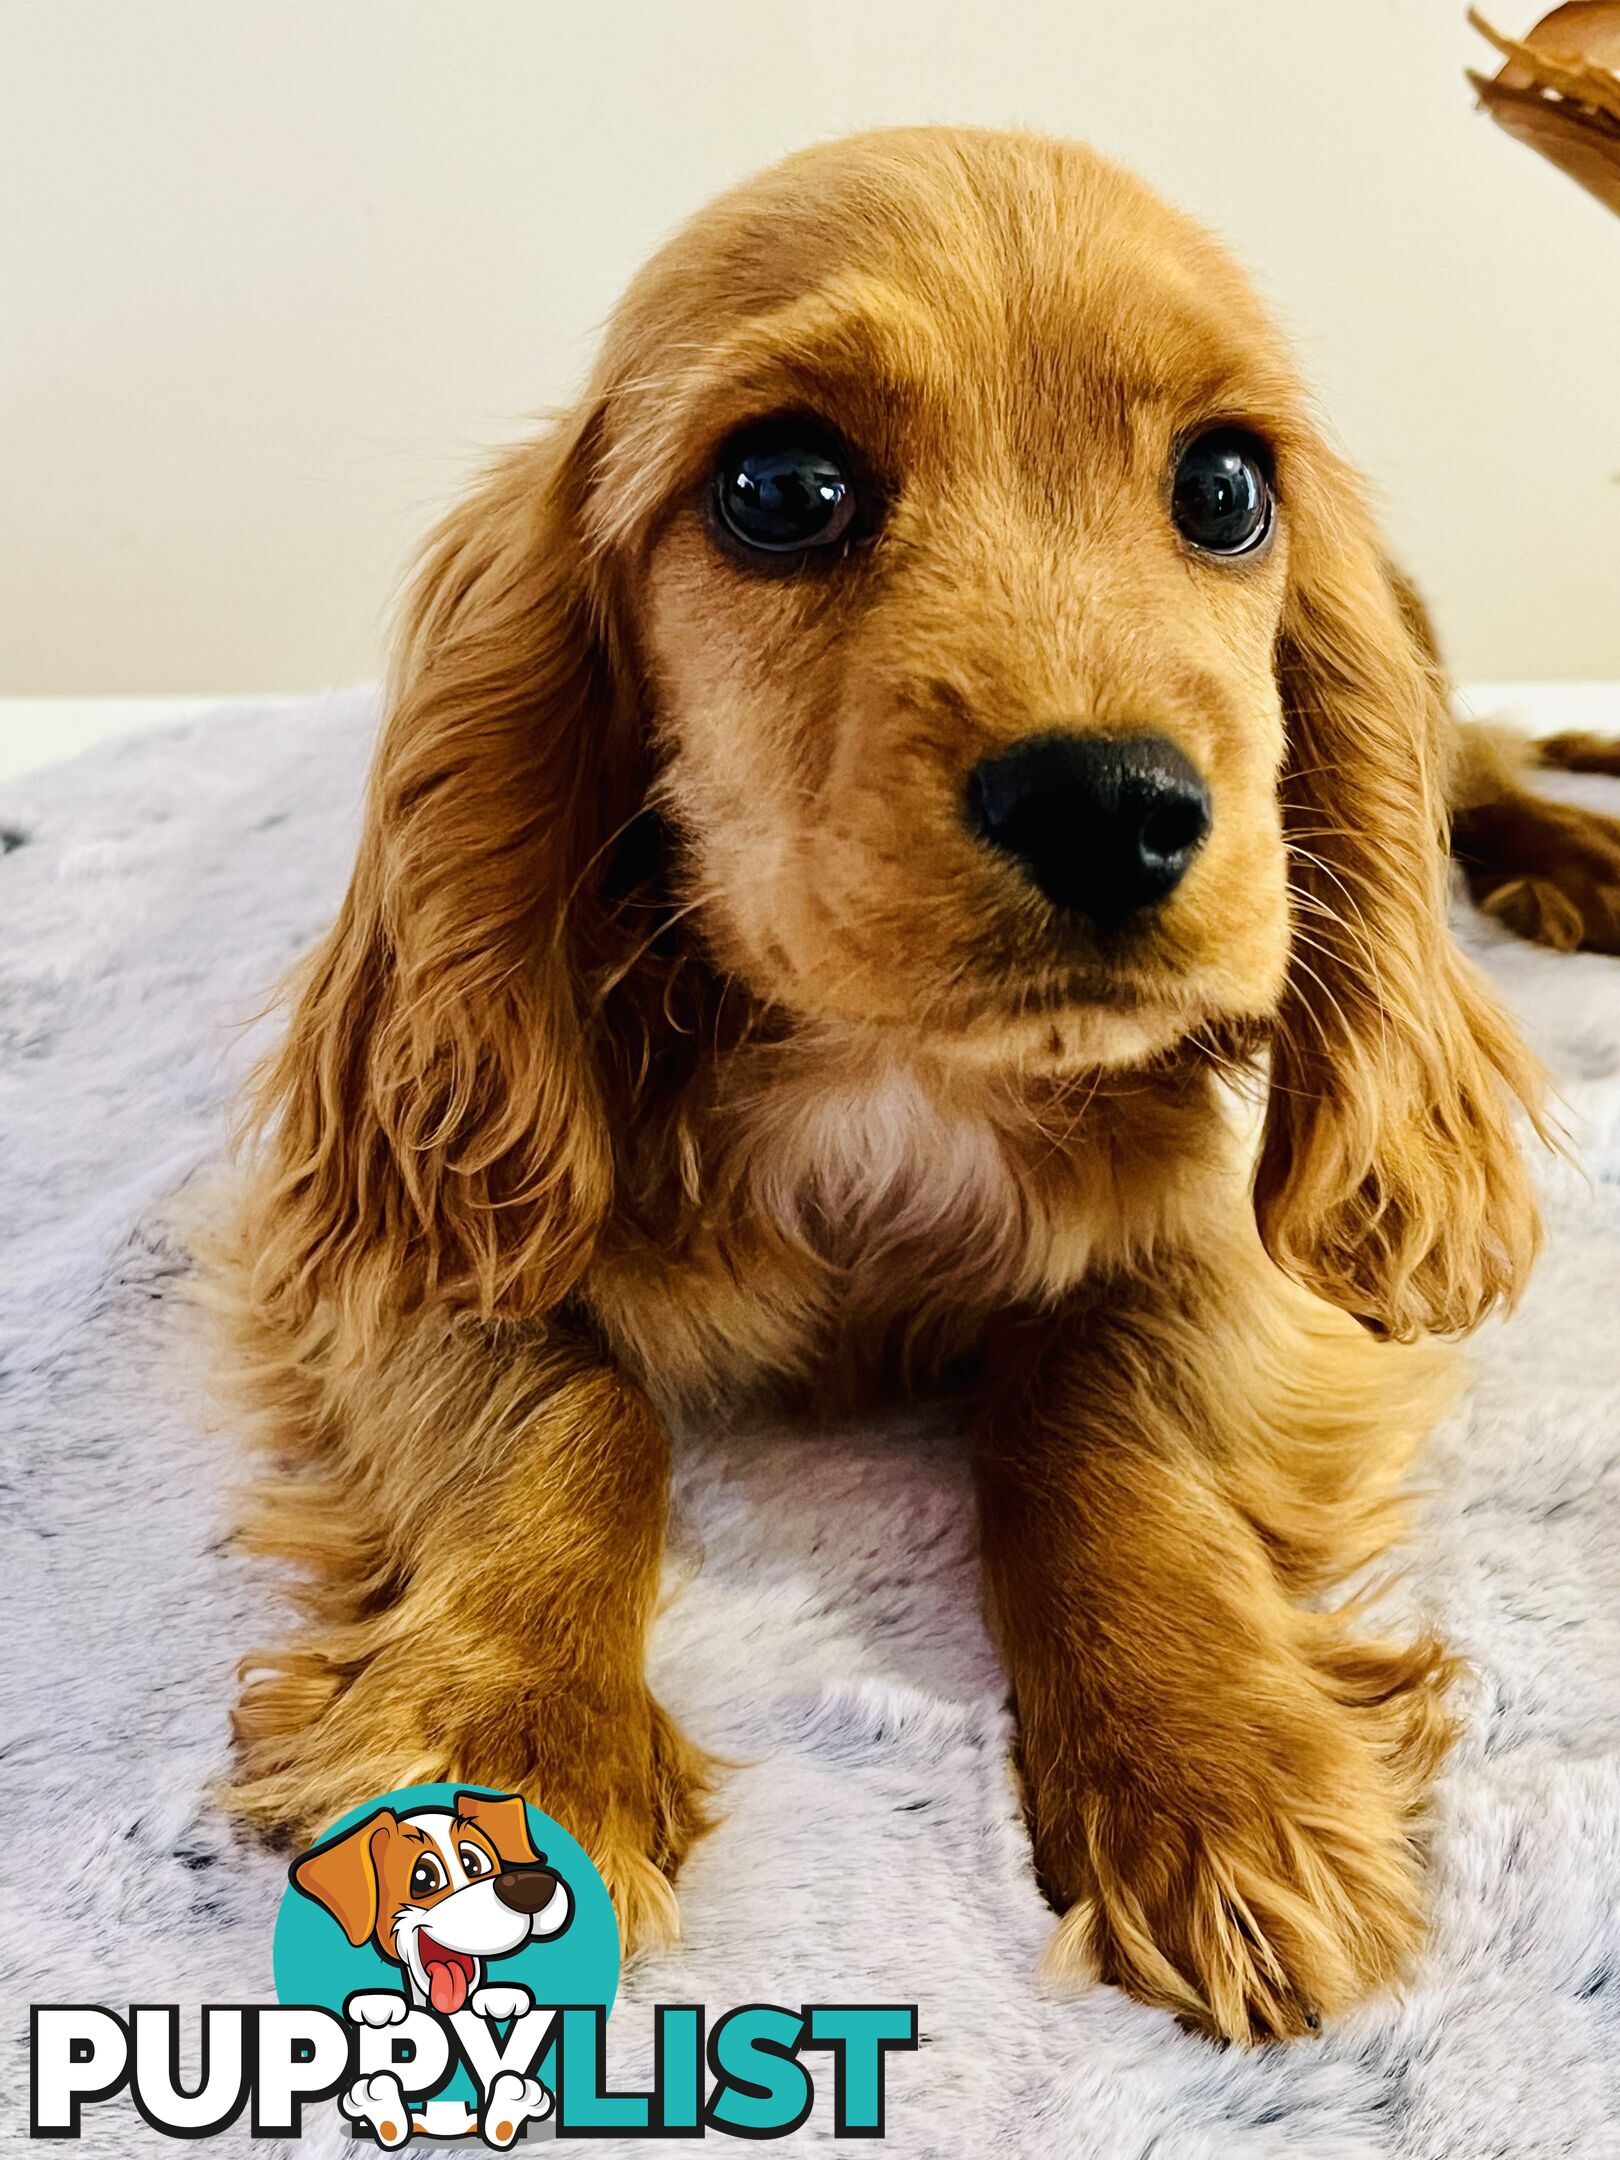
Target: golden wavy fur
(679, 1040)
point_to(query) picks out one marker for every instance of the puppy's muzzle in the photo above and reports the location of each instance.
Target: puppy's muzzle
(526, 1889)
(1103, 826)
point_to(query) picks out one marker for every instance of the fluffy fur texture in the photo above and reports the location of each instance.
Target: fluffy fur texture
(677, 1043)
(821, 1626)
(1548, 870)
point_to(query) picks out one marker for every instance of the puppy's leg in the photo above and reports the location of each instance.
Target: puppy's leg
(1548, 870)
(1224, 1787)
(485, 1523)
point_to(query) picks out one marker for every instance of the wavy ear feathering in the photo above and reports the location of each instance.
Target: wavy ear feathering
(433, 1115)
(1390, 1178)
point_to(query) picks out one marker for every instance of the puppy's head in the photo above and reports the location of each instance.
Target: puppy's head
(945, 566)
(947, 468)
(440, 1890)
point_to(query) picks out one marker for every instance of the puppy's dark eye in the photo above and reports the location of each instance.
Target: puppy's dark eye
(426, 1877)
(784, 487)
(1222, 500)
(474, 1859)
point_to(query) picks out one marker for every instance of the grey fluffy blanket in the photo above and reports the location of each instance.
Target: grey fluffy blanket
(825, 1633)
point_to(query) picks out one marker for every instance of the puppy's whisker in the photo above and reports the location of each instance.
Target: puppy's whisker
(1361, 956)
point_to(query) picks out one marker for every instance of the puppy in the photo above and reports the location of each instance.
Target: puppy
(855, 797)
(439, 1892)
(438, 1896)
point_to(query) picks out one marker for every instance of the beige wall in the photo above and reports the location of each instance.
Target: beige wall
(273, 272)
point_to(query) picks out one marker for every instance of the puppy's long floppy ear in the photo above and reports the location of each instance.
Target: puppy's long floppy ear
(1390, 1178)
(435, 1113)
(505, 1821)
(342, 1874)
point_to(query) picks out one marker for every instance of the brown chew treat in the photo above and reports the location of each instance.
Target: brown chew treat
(1559, 91)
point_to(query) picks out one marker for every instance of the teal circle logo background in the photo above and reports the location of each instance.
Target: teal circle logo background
(314, 1962)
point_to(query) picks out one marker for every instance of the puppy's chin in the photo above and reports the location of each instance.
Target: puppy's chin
(1067, 1039)
(1048, 1017)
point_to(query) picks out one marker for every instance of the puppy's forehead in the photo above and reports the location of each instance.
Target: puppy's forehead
(1006, 276)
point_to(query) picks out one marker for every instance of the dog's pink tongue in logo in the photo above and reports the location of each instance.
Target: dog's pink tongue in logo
(449, 1975)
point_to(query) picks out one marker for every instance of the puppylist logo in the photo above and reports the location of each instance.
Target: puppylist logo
(446, 1960)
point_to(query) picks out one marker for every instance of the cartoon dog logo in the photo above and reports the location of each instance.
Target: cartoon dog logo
(439, 1892)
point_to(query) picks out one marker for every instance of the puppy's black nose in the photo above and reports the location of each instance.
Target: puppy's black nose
(526, 1889)
(1103, 826)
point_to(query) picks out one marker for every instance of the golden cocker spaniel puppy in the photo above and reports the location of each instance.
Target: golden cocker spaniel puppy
(853, 796)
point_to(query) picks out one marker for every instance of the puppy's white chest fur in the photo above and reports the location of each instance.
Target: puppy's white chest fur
(842, 1199)
(869, 1170)
(847, 1203)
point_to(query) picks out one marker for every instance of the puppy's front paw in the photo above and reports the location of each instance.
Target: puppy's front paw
(380, 2101)
(511, 2102)
(501, 2004)
(623, 1780)
(1271, 1878)
(377, 2010)
(1251, 1934)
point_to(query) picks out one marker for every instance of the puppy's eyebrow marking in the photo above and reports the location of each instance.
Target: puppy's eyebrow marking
(417, 1837)
(845, 323)
(856, 335)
